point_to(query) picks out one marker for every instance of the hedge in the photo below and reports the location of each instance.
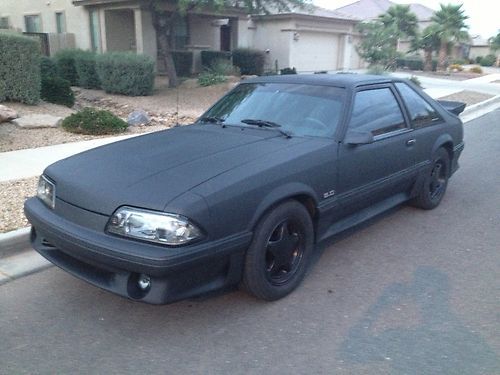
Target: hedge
(126, 73)
(414, 63)
(208, 58)
(19, 68)
(488, 60)
(85, 64)
(66, 65)
(58, 91)
(250, 61)
(48, 67)
(183, 61)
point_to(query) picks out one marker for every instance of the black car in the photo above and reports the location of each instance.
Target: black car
(242, 196)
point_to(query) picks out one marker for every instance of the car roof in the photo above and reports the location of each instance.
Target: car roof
(346, 80)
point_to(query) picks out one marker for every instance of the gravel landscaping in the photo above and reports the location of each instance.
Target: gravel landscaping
(12, 197)
(468, 97)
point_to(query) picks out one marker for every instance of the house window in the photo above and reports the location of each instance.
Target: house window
(60, 23)
(33, 23)
(95, 31)
(4, 22)
(181, 34)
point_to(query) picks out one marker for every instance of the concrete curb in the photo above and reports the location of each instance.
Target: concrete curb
(480, 109)
(12, 242)
(481, 105)
(21, 264)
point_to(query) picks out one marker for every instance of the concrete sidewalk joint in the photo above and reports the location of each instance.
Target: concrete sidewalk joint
(20, 265)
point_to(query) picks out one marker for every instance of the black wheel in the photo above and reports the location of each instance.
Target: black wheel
(435, 183)
(277, 258)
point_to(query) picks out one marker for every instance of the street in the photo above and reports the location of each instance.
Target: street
(412, 292)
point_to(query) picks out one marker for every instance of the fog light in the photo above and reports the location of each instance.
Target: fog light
(144, 282)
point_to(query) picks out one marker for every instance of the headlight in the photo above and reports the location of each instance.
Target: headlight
(46, 191)
(159, 227)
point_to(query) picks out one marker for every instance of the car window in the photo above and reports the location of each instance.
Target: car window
(421, 112)
(376, 111)
(300, 109)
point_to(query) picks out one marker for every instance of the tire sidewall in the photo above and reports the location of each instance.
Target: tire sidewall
(254, 278)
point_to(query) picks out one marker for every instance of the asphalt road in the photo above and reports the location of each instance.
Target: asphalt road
(412, 292)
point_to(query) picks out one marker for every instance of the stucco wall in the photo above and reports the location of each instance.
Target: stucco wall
(77, 18)
(276, 37)
(204, 32)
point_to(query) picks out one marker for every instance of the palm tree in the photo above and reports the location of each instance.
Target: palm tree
(429, 41)
(402, 20)
(450, 21)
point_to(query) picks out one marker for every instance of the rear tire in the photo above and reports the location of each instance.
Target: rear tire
(278, 256)
(435, 183)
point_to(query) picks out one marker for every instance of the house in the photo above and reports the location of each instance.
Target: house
(309, 40)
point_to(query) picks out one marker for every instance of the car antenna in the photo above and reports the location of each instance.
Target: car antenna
(177, 105)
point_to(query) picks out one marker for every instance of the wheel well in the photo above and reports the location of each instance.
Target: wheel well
(448, 146)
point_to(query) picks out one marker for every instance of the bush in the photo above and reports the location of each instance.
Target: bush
(58, 91)
(286, 71)
(48, 67)
(208, 58)
(85, 64)
(416, 81)
(476, 69)
(94, 122)
(223, 68)
(183, 62)
(66, 66)
(378, 70)
(19, 68)
(250, 61)
(411, 63)
(459, 62)
(210, 78)
(456, 67)
(488, 60)
(126, 73)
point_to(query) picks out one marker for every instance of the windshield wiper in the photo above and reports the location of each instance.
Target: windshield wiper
(266, 124)
(213, 120)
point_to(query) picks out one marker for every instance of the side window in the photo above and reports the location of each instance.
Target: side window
(421, 112)
(376, 111)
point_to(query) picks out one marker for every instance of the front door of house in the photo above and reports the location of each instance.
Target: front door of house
(225, 38)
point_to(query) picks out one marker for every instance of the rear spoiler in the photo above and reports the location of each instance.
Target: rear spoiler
(453, 107)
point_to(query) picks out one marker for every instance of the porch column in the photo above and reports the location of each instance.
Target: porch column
(139, 38)
(103, 33)
(345, 52)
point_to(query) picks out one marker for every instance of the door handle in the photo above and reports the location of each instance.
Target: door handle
(411, 142)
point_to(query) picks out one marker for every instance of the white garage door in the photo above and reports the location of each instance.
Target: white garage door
(315, 51)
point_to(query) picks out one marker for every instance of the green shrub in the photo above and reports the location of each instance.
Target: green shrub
(94, 122)
(416, 81)
(250, 61)
(209, 78)
(58, 91)
(223, 68)
(19, 68)
(456, 68)
(488, 60)
(85, 64)
(208, 58)
(126, 73)
(183, 62)
(411, 63)
(378, 70)
(285, 71)
(48, 67)
(459, 61)
(476, 69)
(66, 64)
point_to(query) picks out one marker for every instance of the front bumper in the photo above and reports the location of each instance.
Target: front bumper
(114, 263)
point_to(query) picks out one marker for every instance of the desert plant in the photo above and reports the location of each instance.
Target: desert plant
(208, 58)
(377, 70)
(416, 81)
(224, 68)
(476, 69)
(57, 90)
(48, 67)
(208, 78)
(286, 71)
(250, 61)
(455, 68)
(126, 73)
(19, 68)
(66, 67)
(94, 122)
(488, 60)
(85, 64)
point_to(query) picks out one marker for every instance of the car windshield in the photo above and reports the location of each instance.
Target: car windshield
(295, 109)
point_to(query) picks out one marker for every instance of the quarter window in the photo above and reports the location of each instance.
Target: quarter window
(376, 111)
(4, 22)
(421, 112)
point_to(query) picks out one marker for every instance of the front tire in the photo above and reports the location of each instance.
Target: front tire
(277, 258)
(435, 183)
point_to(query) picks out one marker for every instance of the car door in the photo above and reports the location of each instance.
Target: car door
(371, 172)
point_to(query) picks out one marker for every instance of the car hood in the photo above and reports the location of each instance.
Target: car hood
(151, 170)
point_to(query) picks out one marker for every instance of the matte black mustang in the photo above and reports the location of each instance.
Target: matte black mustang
(243, 195)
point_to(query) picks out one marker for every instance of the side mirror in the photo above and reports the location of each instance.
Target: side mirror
(357, 137)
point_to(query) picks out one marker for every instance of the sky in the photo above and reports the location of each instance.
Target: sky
(484, 15)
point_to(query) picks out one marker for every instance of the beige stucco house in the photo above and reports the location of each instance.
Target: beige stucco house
(309, 40)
